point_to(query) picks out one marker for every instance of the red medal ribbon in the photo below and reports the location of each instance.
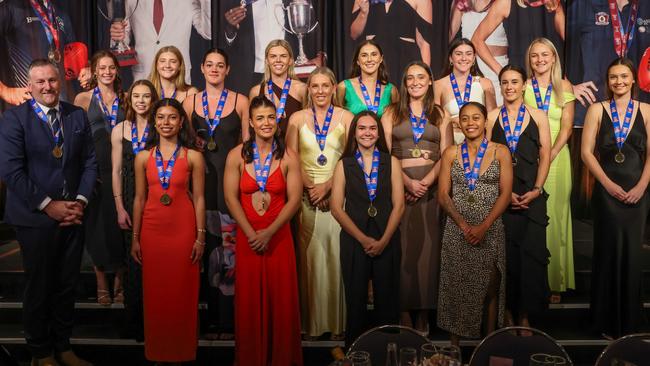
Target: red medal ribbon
(623, 37)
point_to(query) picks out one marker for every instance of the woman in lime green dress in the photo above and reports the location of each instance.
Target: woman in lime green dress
(368, 87)
(547, 90)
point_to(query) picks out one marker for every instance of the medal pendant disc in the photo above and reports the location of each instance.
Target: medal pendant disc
(619, 157)
(212, 145)
(471, 198)
(322, 160)
(54, 55)
(416, 152)
(514, 160)
(165, 199)
(372, 211)
(57, 152)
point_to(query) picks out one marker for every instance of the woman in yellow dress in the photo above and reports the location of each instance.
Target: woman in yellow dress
(318, 134)
(546, 90)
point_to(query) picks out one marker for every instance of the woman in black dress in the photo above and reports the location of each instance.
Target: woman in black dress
(368, 201)
(528, 137)
(621, 167)
(103, 238)
(286, 91)
(127, 139)
(220, 118)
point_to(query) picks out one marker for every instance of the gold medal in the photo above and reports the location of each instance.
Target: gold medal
(619, 157)
(57, 152)
(212, 145)
(471, 198)
(514, 160)
(416, 152)
(54, 55)
(372, 211)
(165, 199)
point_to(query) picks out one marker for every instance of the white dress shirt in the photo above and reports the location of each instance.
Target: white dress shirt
(267, 15)
(178, 19)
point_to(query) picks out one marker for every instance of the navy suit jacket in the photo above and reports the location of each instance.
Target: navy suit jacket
(30, 171)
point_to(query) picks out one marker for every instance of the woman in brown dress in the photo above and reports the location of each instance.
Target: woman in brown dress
(418, 131)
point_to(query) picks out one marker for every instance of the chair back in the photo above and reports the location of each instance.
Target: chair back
(376, 340)
(507, 343)
(633, 349)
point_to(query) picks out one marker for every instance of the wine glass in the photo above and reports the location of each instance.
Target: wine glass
(541, 359)
(450, 355)
(427, 353)
(408, 356)
(360, 358)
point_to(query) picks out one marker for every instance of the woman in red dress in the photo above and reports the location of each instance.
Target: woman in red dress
(169, 234)
(263, 189)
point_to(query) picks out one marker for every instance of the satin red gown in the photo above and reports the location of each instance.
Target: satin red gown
(169, 279)
(267, 314)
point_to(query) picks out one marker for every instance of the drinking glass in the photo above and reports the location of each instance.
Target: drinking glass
(360, 358)
(450, 355)
(408, 356)
(427, 353)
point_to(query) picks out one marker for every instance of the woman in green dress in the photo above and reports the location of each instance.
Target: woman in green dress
(546, 90)
(368, 87)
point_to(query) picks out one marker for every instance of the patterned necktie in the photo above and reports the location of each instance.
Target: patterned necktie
(55, 124)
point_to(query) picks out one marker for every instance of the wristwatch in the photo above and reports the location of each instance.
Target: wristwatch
(540, 189)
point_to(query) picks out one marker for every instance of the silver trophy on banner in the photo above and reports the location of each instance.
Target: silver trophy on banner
(116, 10)
(302, 20)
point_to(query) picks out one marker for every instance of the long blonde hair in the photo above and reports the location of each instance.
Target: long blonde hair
(179, 80)
(322, 70)
(556, 69)
(267, 68)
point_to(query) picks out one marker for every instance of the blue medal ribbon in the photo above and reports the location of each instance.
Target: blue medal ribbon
(620, 132)
(321, 134)
(262, 171)
(112, 115)
(279, 114)
(538, 95)
(162, 93)
(371, 179)
(374, 107)
(472, 173)
(138, 146)
(43, 117)
(48, 21)
(512, 138)
(165, 173)
(214, 122)
(466, 92)
(417, 126)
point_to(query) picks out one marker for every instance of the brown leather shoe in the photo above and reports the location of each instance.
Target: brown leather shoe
(68, 358)
(47, 361)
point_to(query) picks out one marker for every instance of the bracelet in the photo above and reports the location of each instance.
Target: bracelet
(135, 235)
(540, 189)
(201, 231)
(117, 195)
(201, 243)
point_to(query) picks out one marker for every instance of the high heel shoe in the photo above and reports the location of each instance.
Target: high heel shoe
(118, 296)
(104, 298)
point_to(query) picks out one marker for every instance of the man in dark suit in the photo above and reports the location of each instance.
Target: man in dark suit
(47, 161)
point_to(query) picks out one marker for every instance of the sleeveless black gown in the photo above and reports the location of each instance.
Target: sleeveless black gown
(618, 234)
(527, 258)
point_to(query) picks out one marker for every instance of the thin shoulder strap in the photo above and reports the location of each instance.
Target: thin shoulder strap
(194, 102)
(236, 96)
(495, 152)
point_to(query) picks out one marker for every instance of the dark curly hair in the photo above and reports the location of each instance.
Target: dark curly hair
(186, 136)
(247, 147)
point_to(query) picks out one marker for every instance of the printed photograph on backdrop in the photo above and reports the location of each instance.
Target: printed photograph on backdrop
(599, 33)
(246, 27)
(402, 28)
(135, 30)
(31, 29)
